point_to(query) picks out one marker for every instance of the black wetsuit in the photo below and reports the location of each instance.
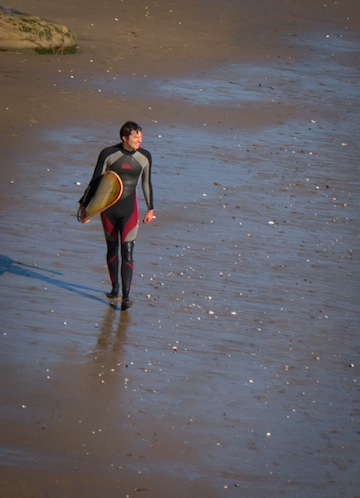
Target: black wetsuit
(121, 219)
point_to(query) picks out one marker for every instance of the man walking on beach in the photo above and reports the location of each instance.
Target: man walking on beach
(120, 222)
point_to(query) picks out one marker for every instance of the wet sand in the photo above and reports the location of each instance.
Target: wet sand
(236, 372)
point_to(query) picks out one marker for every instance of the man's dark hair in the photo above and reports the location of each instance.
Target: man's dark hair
(128, 127)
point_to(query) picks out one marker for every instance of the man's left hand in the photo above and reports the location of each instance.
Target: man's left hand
(148, 216)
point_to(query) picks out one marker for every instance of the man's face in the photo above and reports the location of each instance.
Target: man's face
(133, 141)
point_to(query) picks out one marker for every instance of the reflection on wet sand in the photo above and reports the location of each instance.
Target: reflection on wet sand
(113, 329)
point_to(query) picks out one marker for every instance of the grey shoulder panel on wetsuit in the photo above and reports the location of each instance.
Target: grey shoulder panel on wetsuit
(100, 168)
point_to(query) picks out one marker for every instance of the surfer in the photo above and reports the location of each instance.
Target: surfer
(120, 221)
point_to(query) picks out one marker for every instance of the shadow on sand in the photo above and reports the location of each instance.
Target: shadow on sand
(8, 265)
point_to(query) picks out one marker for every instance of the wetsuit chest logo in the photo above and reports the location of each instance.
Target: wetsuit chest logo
(126, 166)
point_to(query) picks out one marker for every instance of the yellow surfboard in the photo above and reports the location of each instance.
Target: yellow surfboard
(108, 191)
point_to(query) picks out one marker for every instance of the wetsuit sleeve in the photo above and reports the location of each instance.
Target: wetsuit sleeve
(146, 182)
(98, 171)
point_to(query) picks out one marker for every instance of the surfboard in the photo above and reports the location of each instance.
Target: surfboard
(107, 192)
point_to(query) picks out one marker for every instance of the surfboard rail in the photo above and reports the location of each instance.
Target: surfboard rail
(107, 193)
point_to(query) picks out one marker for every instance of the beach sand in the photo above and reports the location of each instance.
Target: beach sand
(236, 372)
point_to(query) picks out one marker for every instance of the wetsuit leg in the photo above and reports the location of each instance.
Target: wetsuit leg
(128, 230)
(127, 267)
(111, 233)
